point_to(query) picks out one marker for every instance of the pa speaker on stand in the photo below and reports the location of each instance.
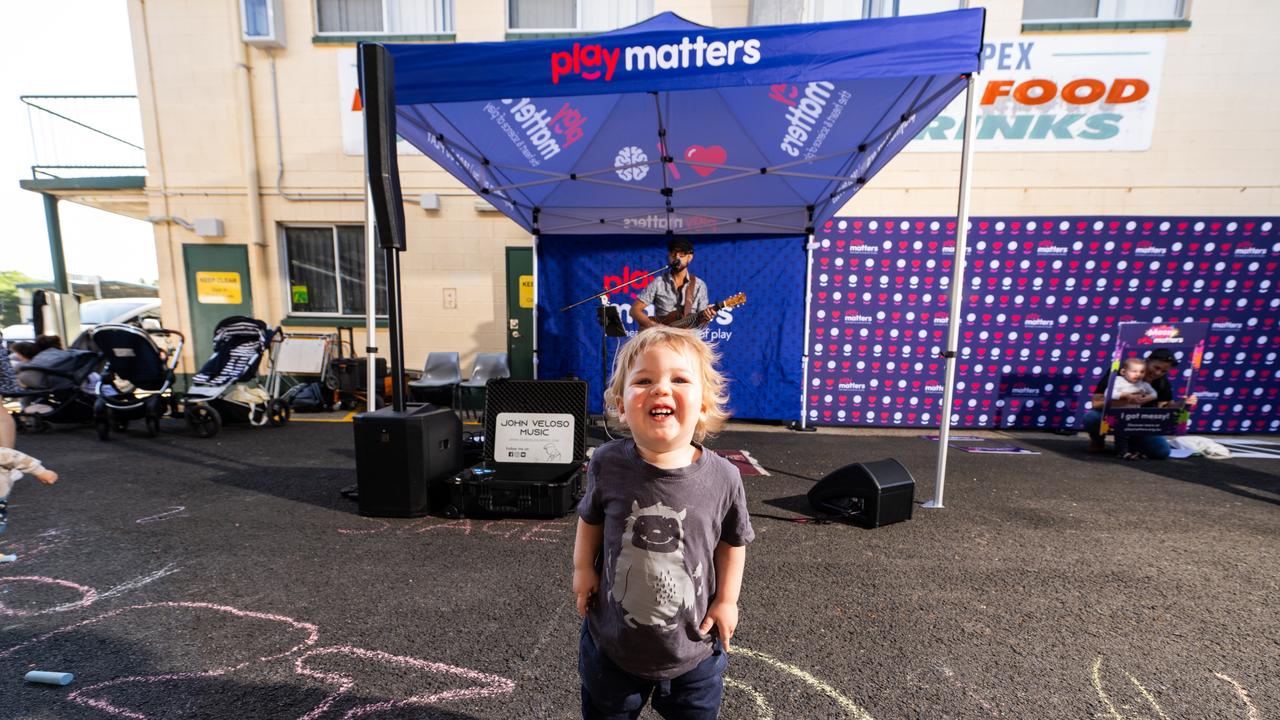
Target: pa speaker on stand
(868, 494)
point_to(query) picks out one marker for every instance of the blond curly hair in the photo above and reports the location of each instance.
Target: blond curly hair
(714, 393)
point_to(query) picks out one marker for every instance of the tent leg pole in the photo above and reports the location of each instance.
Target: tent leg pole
(370, 299)
(803, 425)
(535, 307)
(957, 293)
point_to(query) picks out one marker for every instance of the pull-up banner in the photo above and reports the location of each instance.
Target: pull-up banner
(1042, 301)
(759, 340)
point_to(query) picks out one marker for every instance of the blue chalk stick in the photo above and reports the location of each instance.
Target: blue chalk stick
(49, 678)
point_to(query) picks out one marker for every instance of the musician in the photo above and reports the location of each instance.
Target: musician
(675, 293)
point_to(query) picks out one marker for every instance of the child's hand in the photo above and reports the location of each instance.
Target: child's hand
(724, 616)
(46, 476)
(586, 582)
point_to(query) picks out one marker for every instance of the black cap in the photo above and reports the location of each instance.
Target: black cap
(1163, 355)
(680, 245)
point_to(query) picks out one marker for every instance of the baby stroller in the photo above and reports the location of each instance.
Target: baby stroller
(56, 389)
(221, 390)
(137, 379)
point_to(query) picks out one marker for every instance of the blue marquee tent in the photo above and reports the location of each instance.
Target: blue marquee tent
(670, 127)
(668, 124)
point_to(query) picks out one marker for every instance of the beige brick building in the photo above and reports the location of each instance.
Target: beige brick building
(260, 139)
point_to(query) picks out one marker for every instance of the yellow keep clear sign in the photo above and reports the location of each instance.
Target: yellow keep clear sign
(526, 291)
(218, 288)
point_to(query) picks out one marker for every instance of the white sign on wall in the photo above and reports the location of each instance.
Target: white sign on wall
(1058, 94)
(349, 102)
(545, 438)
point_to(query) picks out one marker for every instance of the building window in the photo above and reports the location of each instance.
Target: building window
(541, 16)
(1102, 10)
(325, 268)
(784, 12)
(384, 17)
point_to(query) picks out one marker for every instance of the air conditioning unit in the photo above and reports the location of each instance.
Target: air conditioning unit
(262, 23)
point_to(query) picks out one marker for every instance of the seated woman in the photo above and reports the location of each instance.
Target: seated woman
(1158, 364)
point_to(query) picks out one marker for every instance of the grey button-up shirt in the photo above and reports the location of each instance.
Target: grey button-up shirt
(662, 296)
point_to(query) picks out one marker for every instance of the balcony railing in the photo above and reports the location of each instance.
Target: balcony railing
(85, 136)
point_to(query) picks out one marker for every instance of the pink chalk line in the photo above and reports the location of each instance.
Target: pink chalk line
(87, 596)
(490, 685)
(81, 696)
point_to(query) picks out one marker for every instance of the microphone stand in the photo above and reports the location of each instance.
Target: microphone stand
(612, 326)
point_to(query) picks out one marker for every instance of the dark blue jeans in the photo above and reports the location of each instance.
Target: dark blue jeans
(1153, 446)
(611, 693)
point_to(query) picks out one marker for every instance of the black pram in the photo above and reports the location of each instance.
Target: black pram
(56, 388)
(137, 379)
(224, 390)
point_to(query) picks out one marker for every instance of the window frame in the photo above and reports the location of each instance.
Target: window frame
(577, 21)
(318, 34)
(1180, 16)
(286, 283)
(871, 10)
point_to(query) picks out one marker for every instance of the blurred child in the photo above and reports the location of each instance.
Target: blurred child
(13, 465)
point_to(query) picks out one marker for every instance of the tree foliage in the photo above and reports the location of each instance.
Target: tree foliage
(9, 280)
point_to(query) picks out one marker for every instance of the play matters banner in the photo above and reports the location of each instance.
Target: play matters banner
(760, 340)
(1042, 302)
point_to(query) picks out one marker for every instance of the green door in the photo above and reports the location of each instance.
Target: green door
(520, 302)
(217, 288)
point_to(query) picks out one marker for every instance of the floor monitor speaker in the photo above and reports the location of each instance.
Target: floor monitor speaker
(869, 494)
(399, 454)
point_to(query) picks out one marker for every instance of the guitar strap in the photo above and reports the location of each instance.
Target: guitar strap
(688, 294)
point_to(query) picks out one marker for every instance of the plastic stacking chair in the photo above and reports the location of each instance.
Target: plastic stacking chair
(441, 371)
(488, 366)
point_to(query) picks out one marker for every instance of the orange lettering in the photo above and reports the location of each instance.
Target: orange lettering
(1093, 91)
(1139, 88)
(996, 89)
(1048, 89)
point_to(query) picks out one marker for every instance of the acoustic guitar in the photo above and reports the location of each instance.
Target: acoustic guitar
(695, 320)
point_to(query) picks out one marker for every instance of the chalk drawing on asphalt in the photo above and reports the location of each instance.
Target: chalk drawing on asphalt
(1251, 710)
(547, 531)
(481, 685)
(850, 707)
(174, 511)
(476, 684)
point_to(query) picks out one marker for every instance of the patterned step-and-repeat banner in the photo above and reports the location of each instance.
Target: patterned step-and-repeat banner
(1042, 299)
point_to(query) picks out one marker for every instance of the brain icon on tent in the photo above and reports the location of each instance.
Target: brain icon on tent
(629, 164)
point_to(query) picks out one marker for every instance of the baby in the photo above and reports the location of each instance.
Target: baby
(1130, 390)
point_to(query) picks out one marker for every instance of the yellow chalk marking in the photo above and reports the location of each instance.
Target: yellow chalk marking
(1243, 694)
(1102, 694)
(762, 705)
(345, 418)
(1150, 698)
(844, 702)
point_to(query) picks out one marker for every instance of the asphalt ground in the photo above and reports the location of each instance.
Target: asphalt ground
(228, 578)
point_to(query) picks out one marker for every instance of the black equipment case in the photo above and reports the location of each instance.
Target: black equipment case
(535, 441)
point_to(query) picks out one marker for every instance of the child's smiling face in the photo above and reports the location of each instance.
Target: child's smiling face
(662, 401)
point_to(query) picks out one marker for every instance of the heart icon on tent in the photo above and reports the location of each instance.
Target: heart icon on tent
(714, 155)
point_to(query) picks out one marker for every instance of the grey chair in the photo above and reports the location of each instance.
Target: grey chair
(489, 366)
(441, 371)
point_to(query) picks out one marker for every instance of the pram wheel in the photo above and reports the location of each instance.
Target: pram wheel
(203, 420)
(155, 406)
(102, 424)
(278, 412)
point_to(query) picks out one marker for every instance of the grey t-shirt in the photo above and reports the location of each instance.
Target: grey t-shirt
(663, 296)
(656, 565)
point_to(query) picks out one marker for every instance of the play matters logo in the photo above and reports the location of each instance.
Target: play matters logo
(599, 63)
